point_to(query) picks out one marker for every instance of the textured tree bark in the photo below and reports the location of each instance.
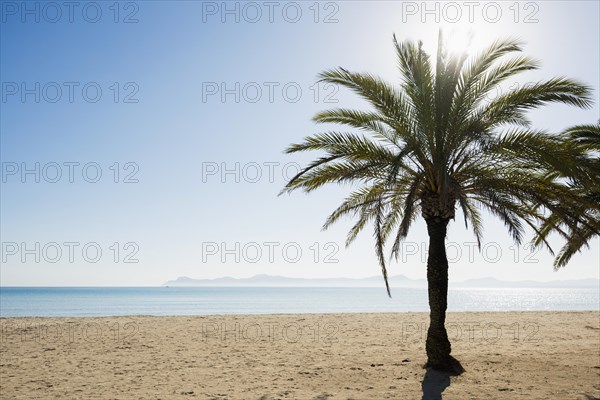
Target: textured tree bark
(437, 345)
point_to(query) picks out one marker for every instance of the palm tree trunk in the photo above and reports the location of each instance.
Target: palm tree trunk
(437, 345)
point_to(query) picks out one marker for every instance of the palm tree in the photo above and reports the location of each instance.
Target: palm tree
(436, 142)
(583, 142)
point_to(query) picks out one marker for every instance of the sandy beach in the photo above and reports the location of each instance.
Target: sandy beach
(516, 355)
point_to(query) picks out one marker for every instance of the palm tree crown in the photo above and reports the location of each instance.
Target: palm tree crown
(436, 141)
(582, 142)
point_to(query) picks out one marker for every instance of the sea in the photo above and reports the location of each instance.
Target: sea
(129, 301)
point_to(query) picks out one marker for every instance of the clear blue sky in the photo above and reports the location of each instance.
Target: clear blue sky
(163, 110)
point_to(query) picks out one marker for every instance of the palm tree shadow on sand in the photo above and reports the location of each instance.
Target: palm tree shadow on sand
(434, 383)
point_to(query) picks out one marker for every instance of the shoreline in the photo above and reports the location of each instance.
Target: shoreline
(507, 355)
(2, 318)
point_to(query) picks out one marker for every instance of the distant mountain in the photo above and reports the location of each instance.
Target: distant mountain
(271, 280)
(373, 281)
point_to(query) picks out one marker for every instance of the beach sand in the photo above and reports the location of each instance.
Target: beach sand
(524, 355)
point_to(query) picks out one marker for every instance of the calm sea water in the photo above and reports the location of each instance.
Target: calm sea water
(72, 301)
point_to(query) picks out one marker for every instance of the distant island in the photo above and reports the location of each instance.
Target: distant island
(373, 281)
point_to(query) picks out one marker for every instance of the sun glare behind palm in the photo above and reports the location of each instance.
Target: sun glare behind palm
(460, 41)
